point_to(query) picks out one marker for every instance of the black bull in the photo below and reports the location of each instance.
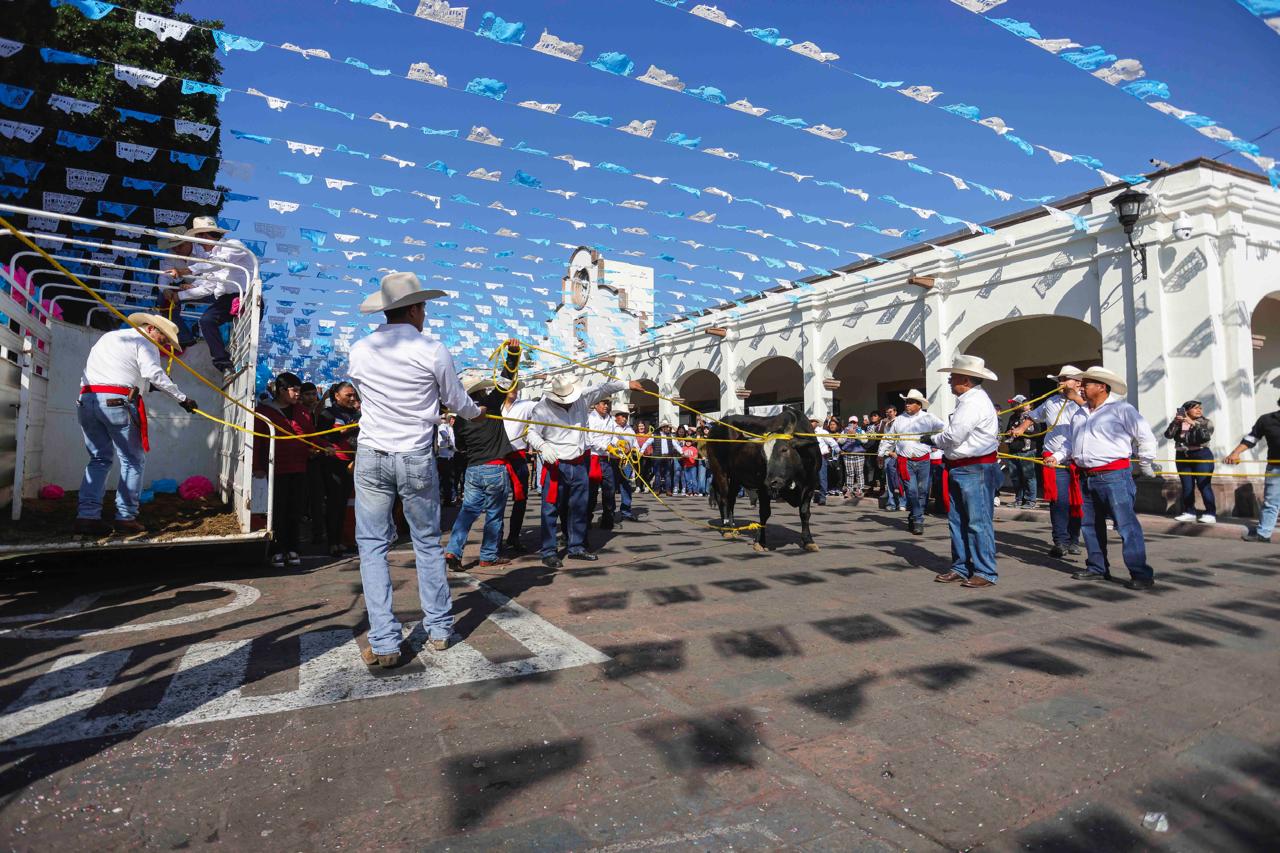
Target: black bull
(784, 468)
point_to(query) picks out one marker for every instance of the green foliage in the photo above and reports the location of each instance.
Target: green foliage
(112, 39)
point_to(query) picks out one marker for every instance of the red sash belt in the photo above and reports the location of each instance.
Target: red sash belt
(903, 474)
(969, 460)
(517, 484)
(1117, 465)
(551, 477)
(595, 473)
(1075, 497)
(126, 392)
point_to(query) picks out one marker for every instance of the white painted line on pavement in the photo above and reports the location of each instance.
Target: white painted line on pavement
(244, 596)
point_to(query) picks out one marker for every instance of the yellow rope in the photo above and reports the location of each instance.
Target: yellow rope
(1047, 464)
(635, 475)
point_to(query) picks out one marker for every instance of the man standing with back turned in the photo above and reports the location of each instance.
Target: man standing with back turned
(968, 446)
(402, 376)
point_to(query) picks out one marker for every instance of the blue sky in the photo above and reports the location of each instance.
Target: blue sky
(1217, 59)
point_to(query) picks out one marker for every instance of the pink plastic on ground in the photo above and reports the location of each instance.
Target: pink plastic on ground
(195, 488)
(51, 492)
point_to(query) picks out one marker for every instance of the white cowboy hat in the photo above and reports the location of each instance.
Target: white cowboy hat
(205, 225)
(915, 396)
(477, 383)
(564, 390)
(969, 365)
(397, 290)
(169, 242)
(165, 325)
(1101, 374)
(1068, 371)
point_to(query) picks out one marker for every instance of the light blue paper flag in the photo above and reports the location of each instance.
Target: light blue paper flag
(194, 162)
(1018, 28)
(94, 10)
(708, 93)
(614, 63)
(602, 121)
(504, 32)
(195, 87)
(771, 36)
(228, 42)
(487, 87)
(61, 57)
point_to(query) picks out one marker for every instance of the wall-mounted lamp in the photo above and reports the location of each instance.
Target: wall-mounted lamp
(1128, 207)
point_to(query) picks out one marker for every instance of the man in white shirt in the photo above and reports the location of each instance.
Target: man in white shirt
(1100, 442)
(113, 417)
(968, 444)
(623, 473)
(600, 419)
(516, 411)
(224, 276)
(895, 498)
(1055, 413)
(402, 377)
(565, 461)
(911, 456)
(827, 447)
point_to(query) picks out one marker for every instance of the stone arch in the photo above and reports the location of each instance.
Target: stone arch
(1024, 351)
(645, 406)
(1264, 324)
(700, 389)
(872, 374)
(775, 380)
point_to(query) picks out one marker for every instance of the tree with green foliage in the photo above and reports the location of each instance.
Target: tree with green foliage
(112, 39)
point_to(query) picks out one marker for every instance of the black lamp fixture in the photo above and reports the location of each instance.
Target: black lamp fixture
(1128, 207)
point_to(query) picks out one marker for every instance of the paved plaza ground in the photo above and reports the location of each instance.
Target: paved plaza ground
(682, 693)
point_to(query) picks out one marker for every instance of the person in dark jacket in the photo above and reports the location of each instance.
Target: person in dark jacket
(489, 475)
(1022, 472)
(335, 471)
(1191, 431)
(289, 476)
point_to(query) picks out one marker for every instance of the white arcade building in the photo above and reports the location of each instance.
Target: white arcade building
(1189, 307)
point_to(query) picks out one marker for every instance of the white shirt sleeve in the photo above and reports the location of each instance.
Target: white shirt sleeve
(1146, 439)
(451, 390)
(153, 371)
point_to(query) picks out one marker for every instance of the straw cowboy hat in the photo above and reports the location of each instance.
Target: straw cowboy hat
(969, 365)
(169, 242)
(1101, 374)
(1068, 371)
(205, 225)
(397, 290)
(165, 325)
(477, 383)
(564, 390)
(914, 396)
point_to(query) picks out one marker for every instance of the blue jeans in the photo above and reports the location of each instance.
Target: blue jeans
(704, 479)
(821, 497)
(1022, 476)
(379, 477)
(109, 430)
(1270, 501)
(1202, 484)
(574, 486)
(691, 479)
(664, 475)
(973, 537)
(1066, 528)
(892, 481)
(918, 473)
(1111, 493)
(622, 474)
(606, 490)
(211, 322)
(484, 492)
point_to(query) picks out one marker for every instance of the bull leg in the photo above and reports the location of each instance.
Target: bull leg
(761, 544)
(728, 495)
(806, 536)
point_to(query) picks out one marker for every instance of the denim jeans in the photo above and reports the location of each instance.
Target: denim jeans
(379, 477)
(973, 538)
(211, 322)
(1270, 502)
(892, 482)
(484, 492)
(1066, 528)
(622, 474)
(822, 481)
(919, 472)
(1111, 494)
(1202, 483)
(604, 492)
(1022, 476)
(109, 430)
(664, 475)
(573, 487)
(691, 479)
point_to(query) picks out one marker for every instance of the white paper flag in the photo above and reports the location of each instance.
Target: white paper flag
(9, 48)
(282, 206)
(82, 180)
(305, 148)
(135, 153)
(71, 106)
(136, 77)
(164, 28)
(18, 130)
(200, 195)
(193, 128)
(59, 203)
(337, 183)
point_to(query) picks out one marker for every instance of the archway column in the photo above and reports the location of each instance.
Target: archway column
(938, 351)
(817, 402)
(667, 411)
(730, 401)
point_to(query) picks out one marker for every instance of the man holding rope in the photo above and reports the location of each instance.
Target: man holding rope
(225, 280)
(113, 417)
(402, 377)
(1061, 483)
(911, 456)
(562, 443)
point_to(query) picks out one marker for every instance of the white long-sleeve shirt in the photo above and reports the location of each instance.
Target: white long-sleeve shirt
(598, 442)
(1103, 435)
(973, 429)
(906, 424)
(446, 441)
(214, 280)
(826, 445)
(521, 410)
(126, 357)
(557, 442)
(1056, 412)
(402, 376)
